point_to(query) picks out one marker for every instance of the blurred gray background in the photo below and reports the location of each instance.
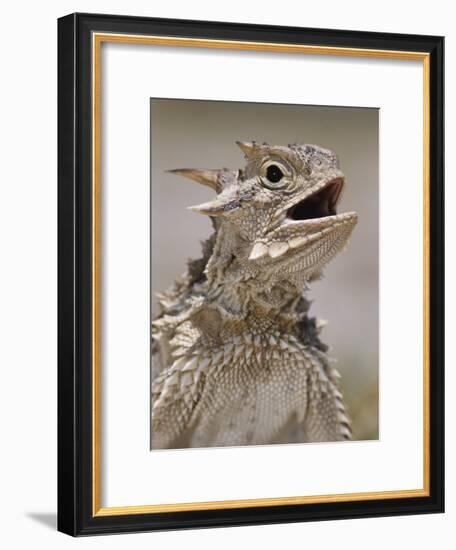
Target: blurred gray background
(201, 134)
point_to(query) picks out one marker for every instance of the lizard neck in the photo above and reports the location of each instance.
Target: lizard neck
(239, 309)
(223, 298)
(218, 322)
(244, 289)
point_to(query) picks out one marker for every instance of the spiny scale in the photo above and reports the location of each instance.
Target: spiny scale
(195, 378)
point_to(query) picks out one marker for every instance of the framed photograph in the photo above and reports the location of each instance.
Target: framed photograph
(250, 274)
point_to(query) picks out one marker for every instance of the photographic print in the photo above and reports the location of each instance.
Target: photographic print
(239, 292)
(264, 274)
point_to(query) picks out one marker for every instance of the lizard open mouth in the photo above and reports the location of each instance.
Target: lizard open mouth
(320, 204)
(307, 223)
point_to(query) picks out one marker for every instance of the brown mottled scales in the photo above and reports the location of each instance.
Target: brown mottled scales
(236, 359)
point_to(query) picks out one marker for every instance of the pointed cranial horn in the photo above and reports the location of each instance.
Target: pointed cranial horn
(210, 178)
(249, 147)
(246, 147)
(216, 207)
(211, 208)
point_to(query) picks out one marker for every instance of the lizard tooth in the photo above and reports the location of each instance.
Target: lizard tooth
(248, 351)
(272, 340)
(257, 340)
(258, 251)
(191, 365)
(276, 249)
(282, 344)
(294, 242)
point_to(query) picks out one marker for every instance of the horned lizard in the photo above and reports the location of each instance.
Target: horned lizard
(236, 358)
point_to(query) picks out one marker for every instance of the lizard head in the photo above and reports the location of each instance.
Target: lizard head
(279, 213)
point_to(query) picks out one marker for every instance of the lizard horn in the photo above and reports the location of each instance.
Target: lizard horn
(250, 147)
(246, 147)
(210, 178)
(216, 207)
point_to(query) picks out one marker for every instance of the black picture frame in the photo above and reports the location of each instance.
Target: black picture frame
(75, 276)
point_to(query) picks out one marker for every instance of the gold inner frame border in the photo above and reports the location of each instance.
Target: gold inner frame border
(97, 40)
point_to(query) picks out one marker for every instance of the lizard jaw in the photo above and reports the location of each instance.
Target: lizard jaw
(295, 239)
(309, 219)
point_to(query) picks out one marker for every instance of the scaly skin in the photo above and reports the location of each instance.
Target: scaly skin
(236, 359)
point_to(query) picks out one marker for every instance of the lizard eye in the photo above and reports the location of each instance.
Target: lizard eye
(273, 173)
